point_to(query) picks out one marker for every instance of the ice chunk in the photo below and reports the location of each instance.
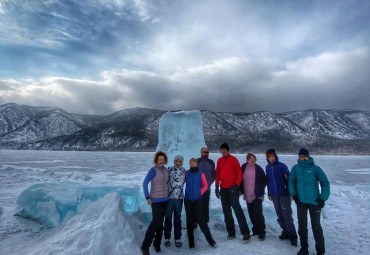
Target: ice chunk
(102, 229)
(48, 202)
(181, 133)
(131, 196)
(51, 202)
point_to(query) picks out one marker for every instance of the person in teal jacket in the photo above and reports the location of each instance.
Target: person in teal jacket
(304, 181)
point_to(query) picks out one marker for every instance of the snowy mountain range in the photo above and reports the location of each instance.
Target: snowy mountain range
(136, 129)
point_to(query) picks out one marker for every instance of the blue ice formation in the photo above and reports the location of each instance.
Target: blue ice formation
(52, 202)
(181, 133)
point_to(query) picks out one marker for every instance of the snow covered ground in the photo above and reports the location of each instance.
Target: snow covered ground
(103, 226)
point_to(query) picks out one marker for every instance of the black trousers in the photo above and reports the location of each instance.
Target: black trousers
(255, 212)
(315, 213)
(230, 199)
(206, 197)
(155, 228)
(196, 208)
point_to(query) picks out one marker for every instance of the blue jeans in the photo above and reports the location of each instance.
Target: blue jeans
(284, 212)
(174, 207)
(230, 199)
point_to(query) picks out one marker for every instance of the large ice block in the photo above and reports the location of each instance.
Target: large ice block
(51, 202)
(181, 133)
(48, 202)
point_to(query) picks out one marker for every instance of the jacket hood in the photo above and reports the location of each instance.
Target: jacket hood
(276, 156)
(306, 163)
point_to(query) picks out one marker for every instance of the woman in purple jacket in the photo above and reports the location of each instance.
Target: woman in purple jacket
(157, 199)
(253, 189)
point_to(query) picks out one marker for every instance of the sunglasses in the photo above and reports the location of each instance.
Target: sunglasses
(205, 152)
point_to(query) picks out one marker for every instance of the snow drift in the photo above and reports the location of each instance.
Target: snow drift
(101, 229)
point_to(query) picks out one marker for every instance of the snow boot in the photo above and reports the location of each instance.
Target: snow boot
(283, 235)
(261, 237)
(157, 249)
(167, 243)
(178, 243)
(145, 252)
(246, 238)
(230, 237)
(303, 251)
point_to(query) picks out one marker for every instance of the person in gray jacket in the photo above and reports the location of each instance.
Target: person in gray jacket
(157, 198)
(208, 168)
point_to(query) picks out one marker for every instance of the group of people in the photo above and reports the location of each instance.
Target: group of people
(167, 197)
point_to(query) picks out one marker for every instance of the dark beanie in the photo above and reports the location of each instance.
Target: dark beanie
(224, 146)
(303, 152)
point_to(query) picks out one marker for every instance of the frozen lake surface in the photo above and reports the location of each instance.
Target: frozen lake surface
(345, 218)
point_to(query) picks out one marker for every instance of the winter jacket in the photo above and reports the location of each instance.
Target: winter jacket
(176, 182)
(278, 175)
(228, 172)
(158, 177)
(196, 184)
(304, 182)
(260, 182)
(208, 168)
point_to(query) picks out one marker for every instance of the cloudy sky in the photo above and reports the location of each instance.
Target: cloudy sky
(101, 56)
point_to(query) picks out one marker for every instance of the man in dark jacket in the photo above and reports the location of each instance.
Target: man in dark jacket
(229, 175)
(208, 168)
(304, 181)
(278, 192)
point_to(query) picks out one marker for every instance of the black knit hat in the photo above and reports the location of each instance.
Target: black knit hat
(303, 151)
(224, 146)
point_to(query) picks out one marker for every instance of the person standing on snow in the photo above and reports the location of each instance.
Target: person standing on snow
(176, 199)
(196, 185)
(253, 188)
(157, 199)
(278, 192)
(304, 181)
(208, 168)
(229, 176)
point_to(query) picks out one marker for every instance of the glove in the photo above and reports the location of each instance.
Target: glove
(217, 192)
(321, 203)
(296, 199)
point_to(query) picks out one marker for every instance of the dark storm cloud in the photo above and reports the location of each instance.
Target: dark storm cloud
(87, 36)
(103, 56)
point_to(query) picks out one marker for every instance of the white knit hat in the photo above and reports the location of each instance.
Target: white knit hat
(179, 157)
